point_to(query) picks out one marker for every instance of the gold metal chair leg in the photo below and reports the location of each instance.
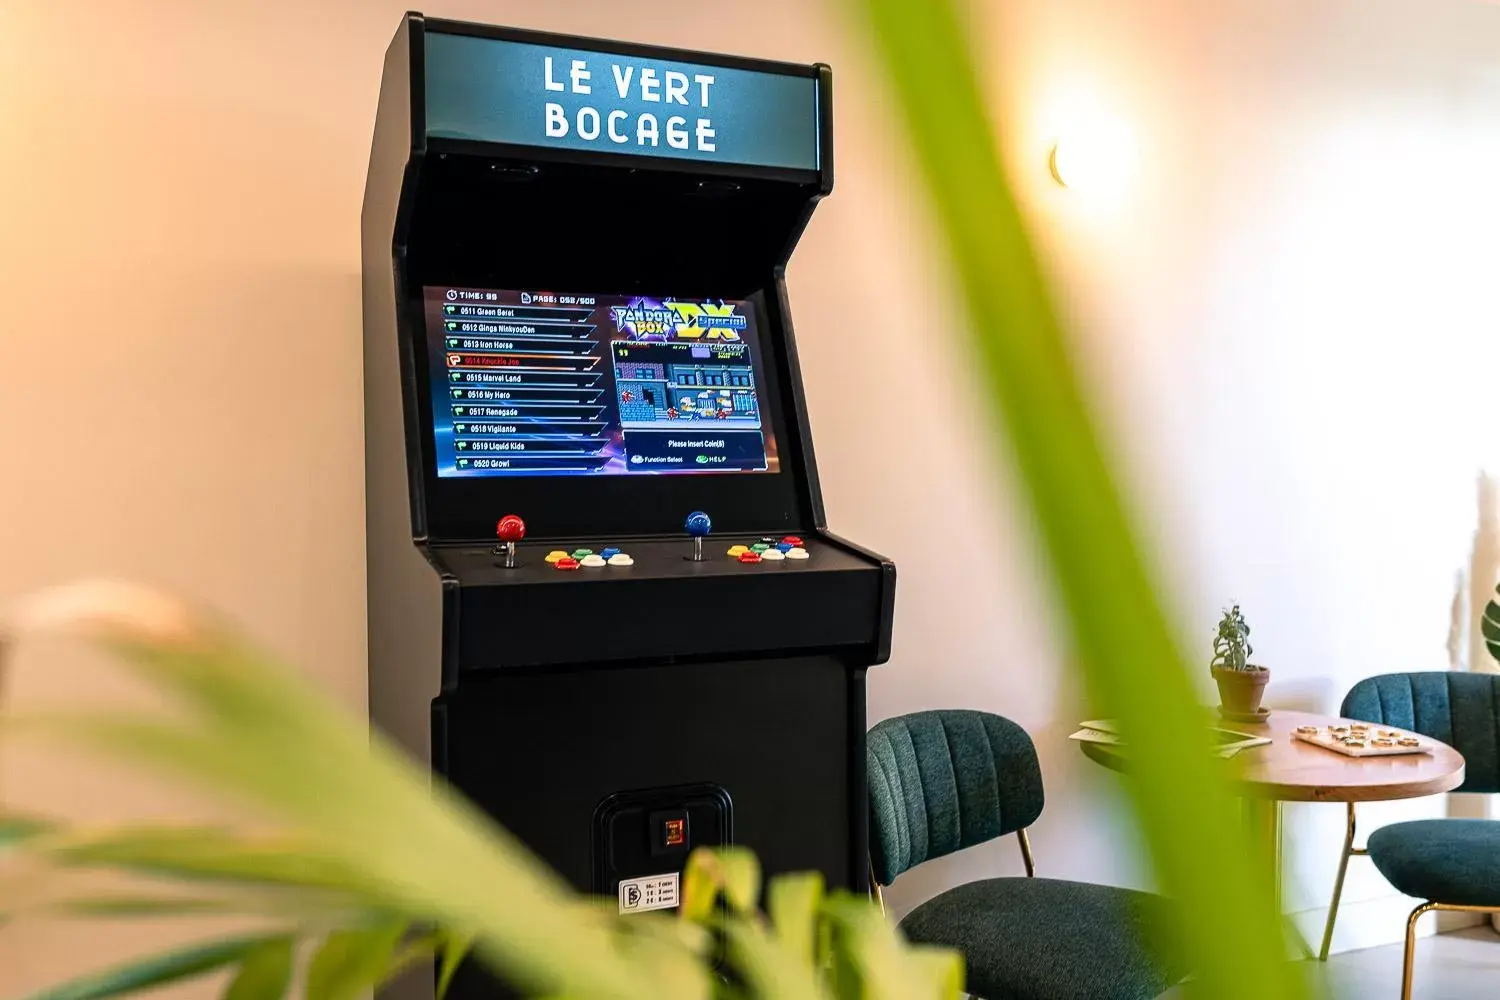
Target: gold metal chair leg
(1338, 885)
(1411, 934)
(1026, 853)
(875, 888)
(1411, 947)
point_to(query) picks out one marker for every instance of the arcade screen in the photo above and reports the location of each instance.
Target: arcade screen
(537, 383)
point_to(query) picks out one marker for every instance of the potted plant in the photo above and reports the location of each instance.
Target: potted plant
(1241, 683)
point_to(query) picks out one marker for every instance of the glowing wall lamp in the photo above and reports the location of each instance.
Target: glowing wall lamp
(1095, 154)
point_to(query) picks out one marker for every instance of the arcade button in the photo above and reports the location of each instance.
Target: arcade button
(767, 540)
(592, 560)
(566, 562)
(555, 555)
(580, 553)
(784, 547)
(621, 559)
(759, 547)
(735, 551)
(798, 554)
(610, 552)
(750, 556)
(793, 540)
(773, 555)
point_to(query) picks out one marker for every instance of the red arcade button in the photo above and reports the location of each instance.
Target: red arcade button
(566, 562)
(792, 540)
(749, 556)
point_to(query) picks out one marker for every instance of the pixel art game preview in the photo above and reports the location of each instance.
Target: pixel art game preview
(538, 383)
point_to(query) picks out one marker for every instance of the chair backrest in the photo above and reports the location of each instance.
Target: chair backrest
(942, 781)
(1461, 709)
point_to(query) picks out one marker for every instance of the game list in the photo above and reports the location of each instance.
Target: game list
(546, 383)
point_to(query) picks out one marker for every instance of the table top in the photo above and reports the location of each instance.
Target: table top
(1291, 770)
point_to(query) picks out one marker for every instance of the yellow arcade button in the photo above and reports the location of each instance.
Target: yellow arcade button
(735, 551)
(555, 555)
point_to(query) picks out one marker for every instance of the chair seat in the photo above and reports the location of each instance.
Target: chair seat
(1442, 860)
(1045, 939)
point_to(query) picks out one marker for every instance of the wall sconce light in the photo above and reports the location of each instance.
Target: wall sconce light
(1094, 155)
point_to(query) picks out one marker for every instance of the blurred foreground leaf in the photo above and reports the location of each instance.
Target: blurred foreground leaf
(792, 903)
(350, 960)
(371, 847)
(265, 973)
(1131, 664)
(159, 970)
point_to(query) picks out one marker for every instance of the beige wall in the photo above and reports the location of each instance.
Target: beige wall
(1292, 322)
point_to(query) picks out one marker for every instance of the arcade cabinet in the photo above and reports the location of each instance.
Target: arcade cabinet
(603, 599)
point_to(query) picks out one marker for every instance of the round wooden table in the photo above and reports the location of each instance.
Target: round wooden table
(1289, 770)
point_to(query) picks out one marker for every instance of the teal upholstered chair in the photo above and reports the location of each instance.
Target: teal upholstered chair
(1453, 864)
(944, 781)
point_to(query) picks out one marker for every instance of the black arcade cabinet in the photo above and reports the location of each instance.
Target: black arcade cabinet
(603, 600)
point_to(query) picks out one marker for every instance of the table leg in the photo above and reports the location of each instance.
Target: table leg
(1263, 819)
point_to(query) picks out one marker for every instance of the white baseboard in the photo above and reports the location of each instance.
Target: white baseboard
(1370, 923)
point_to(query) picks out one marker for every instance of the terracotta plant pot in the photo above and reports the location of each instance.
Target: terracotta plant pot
(1240, 691)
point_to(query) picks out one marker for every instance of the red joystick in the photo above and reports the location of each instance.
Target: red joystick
(510, 529)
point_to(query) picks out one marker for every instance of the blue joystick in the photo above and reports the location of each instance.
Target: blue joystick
(698, 525)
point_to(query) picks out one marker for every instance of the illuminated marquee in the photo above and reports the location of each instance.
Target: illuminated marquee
(645, 129)
(521, 92)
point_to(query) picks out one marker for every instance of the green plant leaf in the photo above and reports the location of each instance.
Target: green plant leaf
(158, 970)
(741, 878)
(252, 729)
(117, 907)
(16, 830)
(213, 854)
(733, 872)
(264, 735)
(412, 951)
(351, 961)
(941, 968)
(771, 971)
(265, 973)
(1131, 664)
(455, 949)
(702, 880)
(878, 960)
(792, 905)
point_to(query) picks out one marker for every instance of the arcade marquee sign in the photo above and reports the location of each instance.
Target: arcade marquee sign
(499, 90)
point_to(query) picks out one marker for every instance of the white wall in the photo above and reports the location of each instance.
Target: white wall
(1294, 324)
(1291, 324)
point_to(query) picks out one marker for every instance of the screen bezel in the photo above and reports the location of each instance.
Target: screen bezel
(466, 508)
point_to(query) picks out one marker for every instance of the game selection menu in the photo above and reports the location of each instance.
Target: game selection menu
(541, 383)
